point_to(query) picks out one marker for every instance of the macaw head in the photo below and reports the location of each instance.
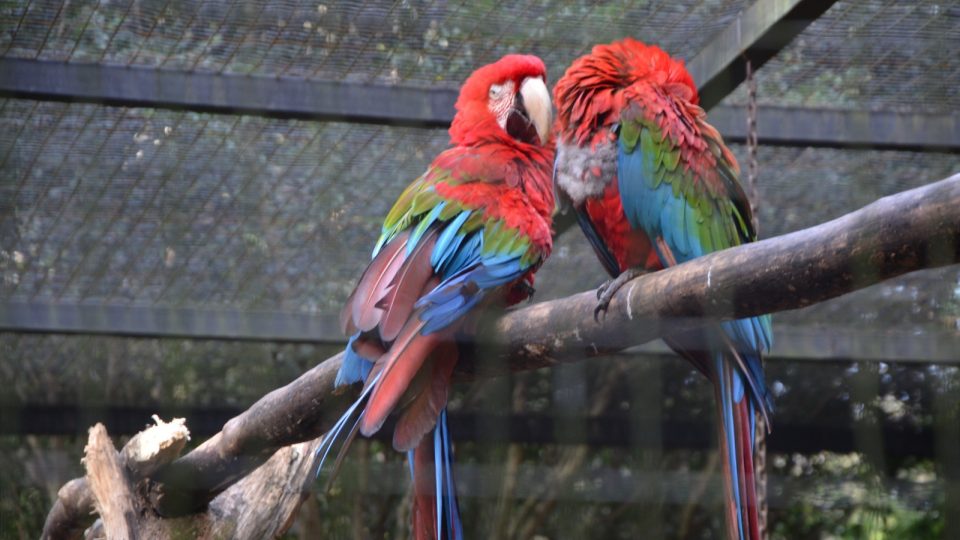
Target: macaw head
(507, 100)
(591, 92)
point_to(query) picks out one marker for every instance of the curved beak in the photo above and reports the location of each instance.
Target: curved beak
(536, 100)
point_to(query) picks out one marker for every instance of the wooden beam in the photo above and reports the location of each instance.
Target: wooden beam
(224, 93)
(831, 128)
(901, 233)
(759, 32)
(433, 108)
(168, 322)
(794, 343)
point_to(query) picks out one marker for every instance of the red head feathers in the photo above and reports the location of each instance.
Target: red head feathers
(506, 102)
(592, 86)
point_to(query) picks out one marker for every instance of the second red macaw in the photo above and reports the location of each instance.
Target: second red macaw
(470, 232)
(653, 185)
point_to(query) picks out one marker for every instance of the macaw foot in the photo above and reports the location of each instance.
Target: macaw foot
(606, 291)
(528, 290)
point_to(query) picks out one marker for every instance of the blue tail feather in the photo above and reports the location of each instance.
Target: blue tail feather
(451, 497)
(352, 412)
(728, 379)
(449, 524)
(438, 476)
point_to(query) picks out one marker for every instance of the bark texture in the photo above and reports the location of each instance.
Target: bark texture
(118, 489)
(111, 487)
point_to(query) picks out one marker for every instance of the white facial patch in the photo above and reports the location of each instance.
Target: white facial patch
(584, 172)
(500, 101)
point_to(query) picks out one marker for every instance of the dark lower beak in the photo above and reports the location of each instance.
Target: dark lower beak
(519, 126)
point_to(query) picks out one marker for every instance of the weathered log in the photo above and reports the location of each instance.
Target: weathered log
(262, 504)
(143, 454)
(72, 512)
(111, 487)
(275, 490)
(155, 447)
(901, 233)
(249, 439)
(898, 234)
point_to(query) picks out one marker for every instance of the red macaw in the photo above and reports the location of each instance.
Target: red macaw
(653, 185)
(470, 232)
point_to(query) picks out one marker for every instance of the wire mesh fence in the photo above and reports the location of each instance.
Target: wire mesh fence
(161, 208)
(420, 43)
(869, 55)
(152, 207)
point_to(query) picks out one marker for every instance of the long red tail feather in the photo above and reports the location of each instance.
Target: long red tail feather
(424, 492)
(401, 363)
(420, 415)
(745, 488)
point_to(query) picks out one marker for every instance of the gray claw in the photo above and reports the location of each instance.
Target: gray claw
(601, 308)
(606, 292)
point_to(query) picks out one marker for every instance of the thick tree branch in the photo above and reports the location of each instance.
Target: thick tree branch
(298, 412)
(902, 233)
(897, 234)
(262, 504)
(72, 512)
(275, 490)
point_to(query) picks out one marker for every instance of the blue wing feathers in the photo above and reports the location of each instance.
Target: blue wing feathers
(453, 298)
(354, 368)
(449, 240)
(691, 226)
(446, 257)
(422, 227)
(738, 387)
(679, 227)
(652, 205)
(468, 255)
(460, 260)
(607, 258)
(439, 317)
(468, 270)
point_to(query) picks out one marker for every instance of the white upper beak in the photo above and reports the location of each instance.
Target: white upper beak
(536, 100)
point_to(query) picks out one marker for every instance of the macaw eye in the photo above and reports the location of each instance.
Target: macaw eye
(495, 91)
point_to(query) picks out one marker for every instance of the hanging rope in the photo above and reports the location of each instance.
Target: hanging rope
(760, 455)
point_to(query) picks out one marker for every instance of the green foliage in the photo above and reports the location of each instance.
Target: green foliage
(845, 499)
(22, 514)
(31, 471)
